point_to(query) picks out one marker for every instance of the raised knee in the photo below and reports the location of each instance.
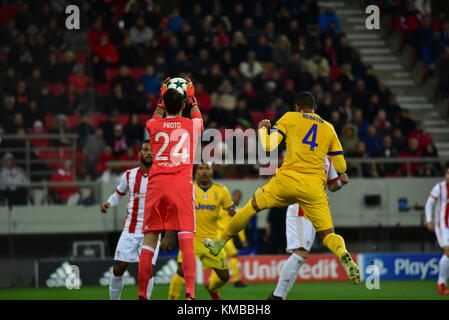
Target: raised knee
(224, 277)
(118, 270)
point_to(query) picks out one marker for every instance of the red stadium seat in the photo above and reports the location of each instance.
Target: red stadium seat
(8, 11)
(73, 120)
(270, 114)
(49, 121)
(334, 73)
(97, 118)
(256, 117)
(81, 57)
(102, 88)
(123, 119)
(56, 89)
(111, 73)
(136, 73)
(143, 118)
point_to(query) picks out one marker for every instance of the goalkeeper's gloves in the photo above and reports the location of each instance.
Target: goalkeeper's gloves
(163, 89)
(190, 93)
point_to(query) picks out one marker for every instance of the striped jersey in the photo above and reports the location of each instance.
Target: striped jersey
(135, 182)
(332, 176)
(440, 194)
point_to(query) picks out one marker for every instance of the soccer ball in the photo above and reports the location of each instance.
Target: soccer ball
(179, 84)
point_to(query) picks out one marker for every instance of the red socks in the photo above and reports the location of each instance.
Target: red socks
(185, 240)
(145, 266)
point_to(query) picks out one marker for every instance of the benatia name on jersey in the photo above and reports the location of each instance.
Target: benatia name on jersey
(194, 310)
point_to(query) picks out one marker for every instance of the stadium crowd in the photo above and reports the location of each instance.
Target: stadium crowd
(247, 60)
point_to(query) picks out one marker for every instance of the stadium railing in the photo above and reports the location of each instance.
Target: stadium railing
(441, 161)
(39, 193)
(39, 161)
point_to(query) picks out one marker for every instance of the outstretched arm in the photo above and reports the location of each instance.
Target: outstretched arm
(269, 141)
(191, 101)
(160, 108)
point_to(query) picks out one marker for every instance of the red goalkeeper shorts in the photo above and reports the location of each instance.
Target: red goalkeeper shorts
(169, 204)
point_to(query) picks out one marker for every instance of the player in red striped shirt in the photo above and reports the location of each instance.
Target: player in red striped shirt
(437, 219)
(130, 243)
(173, 142)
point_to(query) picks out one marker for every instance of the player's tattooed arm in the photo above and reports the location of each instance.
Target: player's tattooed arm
(159, 112)
(160, 108)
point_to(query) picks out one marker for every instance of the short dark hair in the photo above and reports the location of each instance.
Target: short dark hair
(142, 142)
(305, 99)
(173, 101)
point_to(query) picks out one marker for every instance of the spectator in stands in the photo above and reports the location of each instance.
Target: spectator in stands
(250, 68)
(442, 73)
(140, 33)
(405, 122)
(116, 101)
(129, 53)
(203, 97)
(68, 101)
(430, 169)
(119, 145)
(36, 83)
(421, 135)
(359, 96)
(83, 130)
(105, 156)
(370, 111)
(336, 121)
(90, 101)
(346, 77)
(282, 51)
(13, 182)
(106, 51)
(326, 17)
(38, 129)
(95, 145)
(64, 194)
(392, 109)
(411, 152)
(361, 124)
(317, 62)
(399, 141)
(124, 79)
(66, 66)
(381, 122)
(373, 141)
(384, 93)
(150, 81)
(129, 156)
(78, 79)
(388, 151)
(349, 140)
(8, 111)
(134, 131)
(61, 128)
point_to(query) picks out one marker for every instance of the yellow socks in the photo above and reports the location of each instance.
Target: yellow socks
(234, 266)
(335, 243)
(215, 282)
(238, 222)
(176, 284)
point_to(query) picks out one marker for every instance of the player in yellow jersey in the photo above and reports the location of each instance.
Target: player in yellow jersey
(210, 199)
(300, 179)
(230, 249)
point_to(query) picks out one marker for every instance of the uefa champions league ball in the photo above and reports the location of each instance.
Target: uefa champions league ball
(178, 84)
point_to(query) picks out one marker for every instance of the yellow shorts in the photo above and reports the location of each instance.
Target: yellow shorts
(207, 259)
(288, 187)
(230, 248)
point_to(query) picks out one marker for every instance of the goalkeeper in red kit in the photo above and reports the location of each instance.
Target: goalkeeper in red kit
(173, 141)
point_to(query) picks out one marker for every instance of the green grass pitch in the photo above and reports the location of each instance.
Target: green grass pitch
(389, 290)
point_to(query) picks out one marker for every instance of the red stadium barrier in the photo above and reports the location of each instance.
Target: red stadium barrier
(266, 268)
